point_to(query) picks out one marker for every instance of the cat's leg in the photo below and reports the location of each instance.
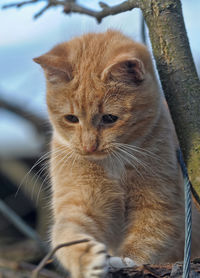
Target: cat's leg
(85, 216)
(154, 237)
(83, 260)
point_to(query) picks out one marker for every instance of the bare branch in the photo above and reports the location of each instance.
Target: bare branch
(73, 7)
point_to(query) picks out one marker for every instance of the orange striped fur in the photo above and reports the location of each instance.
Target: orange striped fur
(116, 183)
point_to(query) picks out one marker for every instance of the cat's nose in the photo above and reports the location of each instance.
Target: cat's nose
(90, 148)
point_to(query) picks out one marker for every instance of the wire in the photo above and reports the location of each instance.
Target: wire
(188, 216)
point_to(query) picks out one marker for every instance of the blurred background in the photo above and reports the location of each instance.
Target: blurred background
(24, 127)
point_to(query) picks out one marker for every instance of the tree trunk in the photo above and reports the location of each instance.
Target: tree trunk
(178, 76)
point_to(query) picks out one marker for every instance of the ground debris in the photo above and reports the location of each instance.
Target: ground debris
(156, 271)
(12, 269)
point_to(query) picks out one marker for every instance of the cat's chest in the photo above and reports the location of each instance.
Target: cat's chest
(125, 175)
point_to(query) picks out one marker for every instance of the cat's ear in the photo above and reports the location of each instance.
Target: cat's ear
(125, 69)
(56, 69)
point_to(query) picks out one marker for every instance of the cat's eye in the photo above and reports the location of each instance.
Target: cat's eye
(72, 119)
(109, 119)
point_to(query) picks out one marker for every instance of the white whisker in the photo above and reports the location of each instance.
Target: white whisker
(42, 158)
(132, 159)
(141, 151)
(63, 161)
(129, 162)
(41, 171)
(121, 163)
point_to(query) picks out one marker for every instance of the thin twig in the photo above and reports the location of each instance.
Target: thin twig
(51, 253)
(50, 3)
(42, 11)
(20, 224)
(19, 4)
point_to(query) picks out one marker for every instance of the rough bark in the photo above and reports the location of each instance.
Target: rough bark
(178, 76)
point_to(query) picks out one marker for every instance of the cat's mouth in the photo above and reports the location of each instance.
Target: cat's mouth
(97, 155)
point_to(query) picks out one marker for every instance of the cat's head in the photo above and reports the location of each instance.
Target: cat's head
(101, 91)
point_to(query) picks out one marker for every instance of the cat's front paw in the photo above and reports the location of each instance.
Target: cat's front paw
(96, 262)
(86, 260)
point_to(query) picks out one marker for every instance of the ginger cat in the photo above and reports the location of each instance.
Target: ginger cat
(115, 176)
